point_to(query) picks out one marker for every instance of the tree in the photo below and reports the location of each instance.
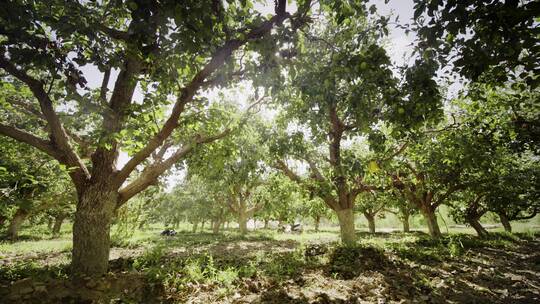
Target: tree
(317, 209)
(340, 87)
(431, 171)
(45, 44)
(516, 194)
(468, 208)
(31, 183)
(234, 168)
(370, 204)
(282, 199)
(493, 41)
(396, 200)
(501, 123)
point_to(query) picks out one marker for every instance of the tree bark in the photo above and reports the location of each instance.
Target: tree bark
(433, 225)
(266, 224)
(346, 225)
(91, 228)
(242, 223)
(371, 222)
(50, 223)
(405, 220)
(505, 222)
(480, 230)
(194, 227)
(215, 227)
(317, 223)
(58, 220)
(16, 223)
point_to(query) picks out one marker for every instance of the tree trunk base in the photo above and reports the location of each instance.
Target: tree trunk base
(346, 225)
(433, 225)
(91, 233)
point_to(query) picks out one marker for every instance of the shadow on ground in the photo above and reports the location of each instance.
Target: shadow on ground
(382, 268)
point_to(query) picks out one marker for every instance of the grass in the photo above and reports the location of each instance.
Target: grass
(36, 239)
(219, 265)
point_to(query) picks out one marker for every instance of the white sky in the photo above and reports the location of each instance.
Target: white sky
(398, 49)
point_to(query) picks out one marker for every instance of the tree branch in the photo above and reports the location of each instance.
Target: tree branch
(150, 174)
(30, 139)
(59, 137)
(189, 91)
(281, 165)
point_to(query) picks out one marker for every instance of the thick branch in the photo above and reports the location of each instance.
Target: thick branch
(150, 174)
(187, 93)
(59, 137)
(30, 139)
(314, 169)
(451, 190)
(281, 165)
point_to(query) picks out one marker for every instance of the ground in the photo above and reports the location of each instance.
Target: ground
(269, 267)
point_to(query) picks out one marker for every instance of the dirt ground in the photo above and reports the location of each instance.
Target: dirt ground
(384, 269)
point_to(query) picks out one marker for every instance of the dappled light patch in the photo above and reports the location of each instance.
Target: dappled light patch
(227, 268)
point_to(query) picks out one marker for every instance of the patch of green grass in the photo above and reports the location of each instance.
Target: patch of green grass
(40, 246)
(33, 270)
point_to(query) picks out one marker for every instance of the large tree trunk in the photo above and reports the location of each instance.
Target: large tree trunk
(480, 230)
(505, 222)
(15, 223)
(346, 226)
(266, 223)
(91, 227)
(242, 222)
(194, 227)
(433, 226)
(371, 222)
(317, 223)
(58, 220)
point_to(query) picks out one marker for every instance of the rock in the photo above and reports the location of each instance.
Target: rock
(41, 288)
(23, 286)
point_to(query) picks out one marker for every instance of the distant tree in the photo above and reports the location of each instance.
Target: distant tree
(371, 204)
(398, 205)
(31, 183)
(234, 168)
(431, 171)
(284, 201)
(340, 85)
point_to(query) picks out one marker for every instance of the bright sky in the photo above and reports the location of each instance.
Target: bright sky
(398, 48)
